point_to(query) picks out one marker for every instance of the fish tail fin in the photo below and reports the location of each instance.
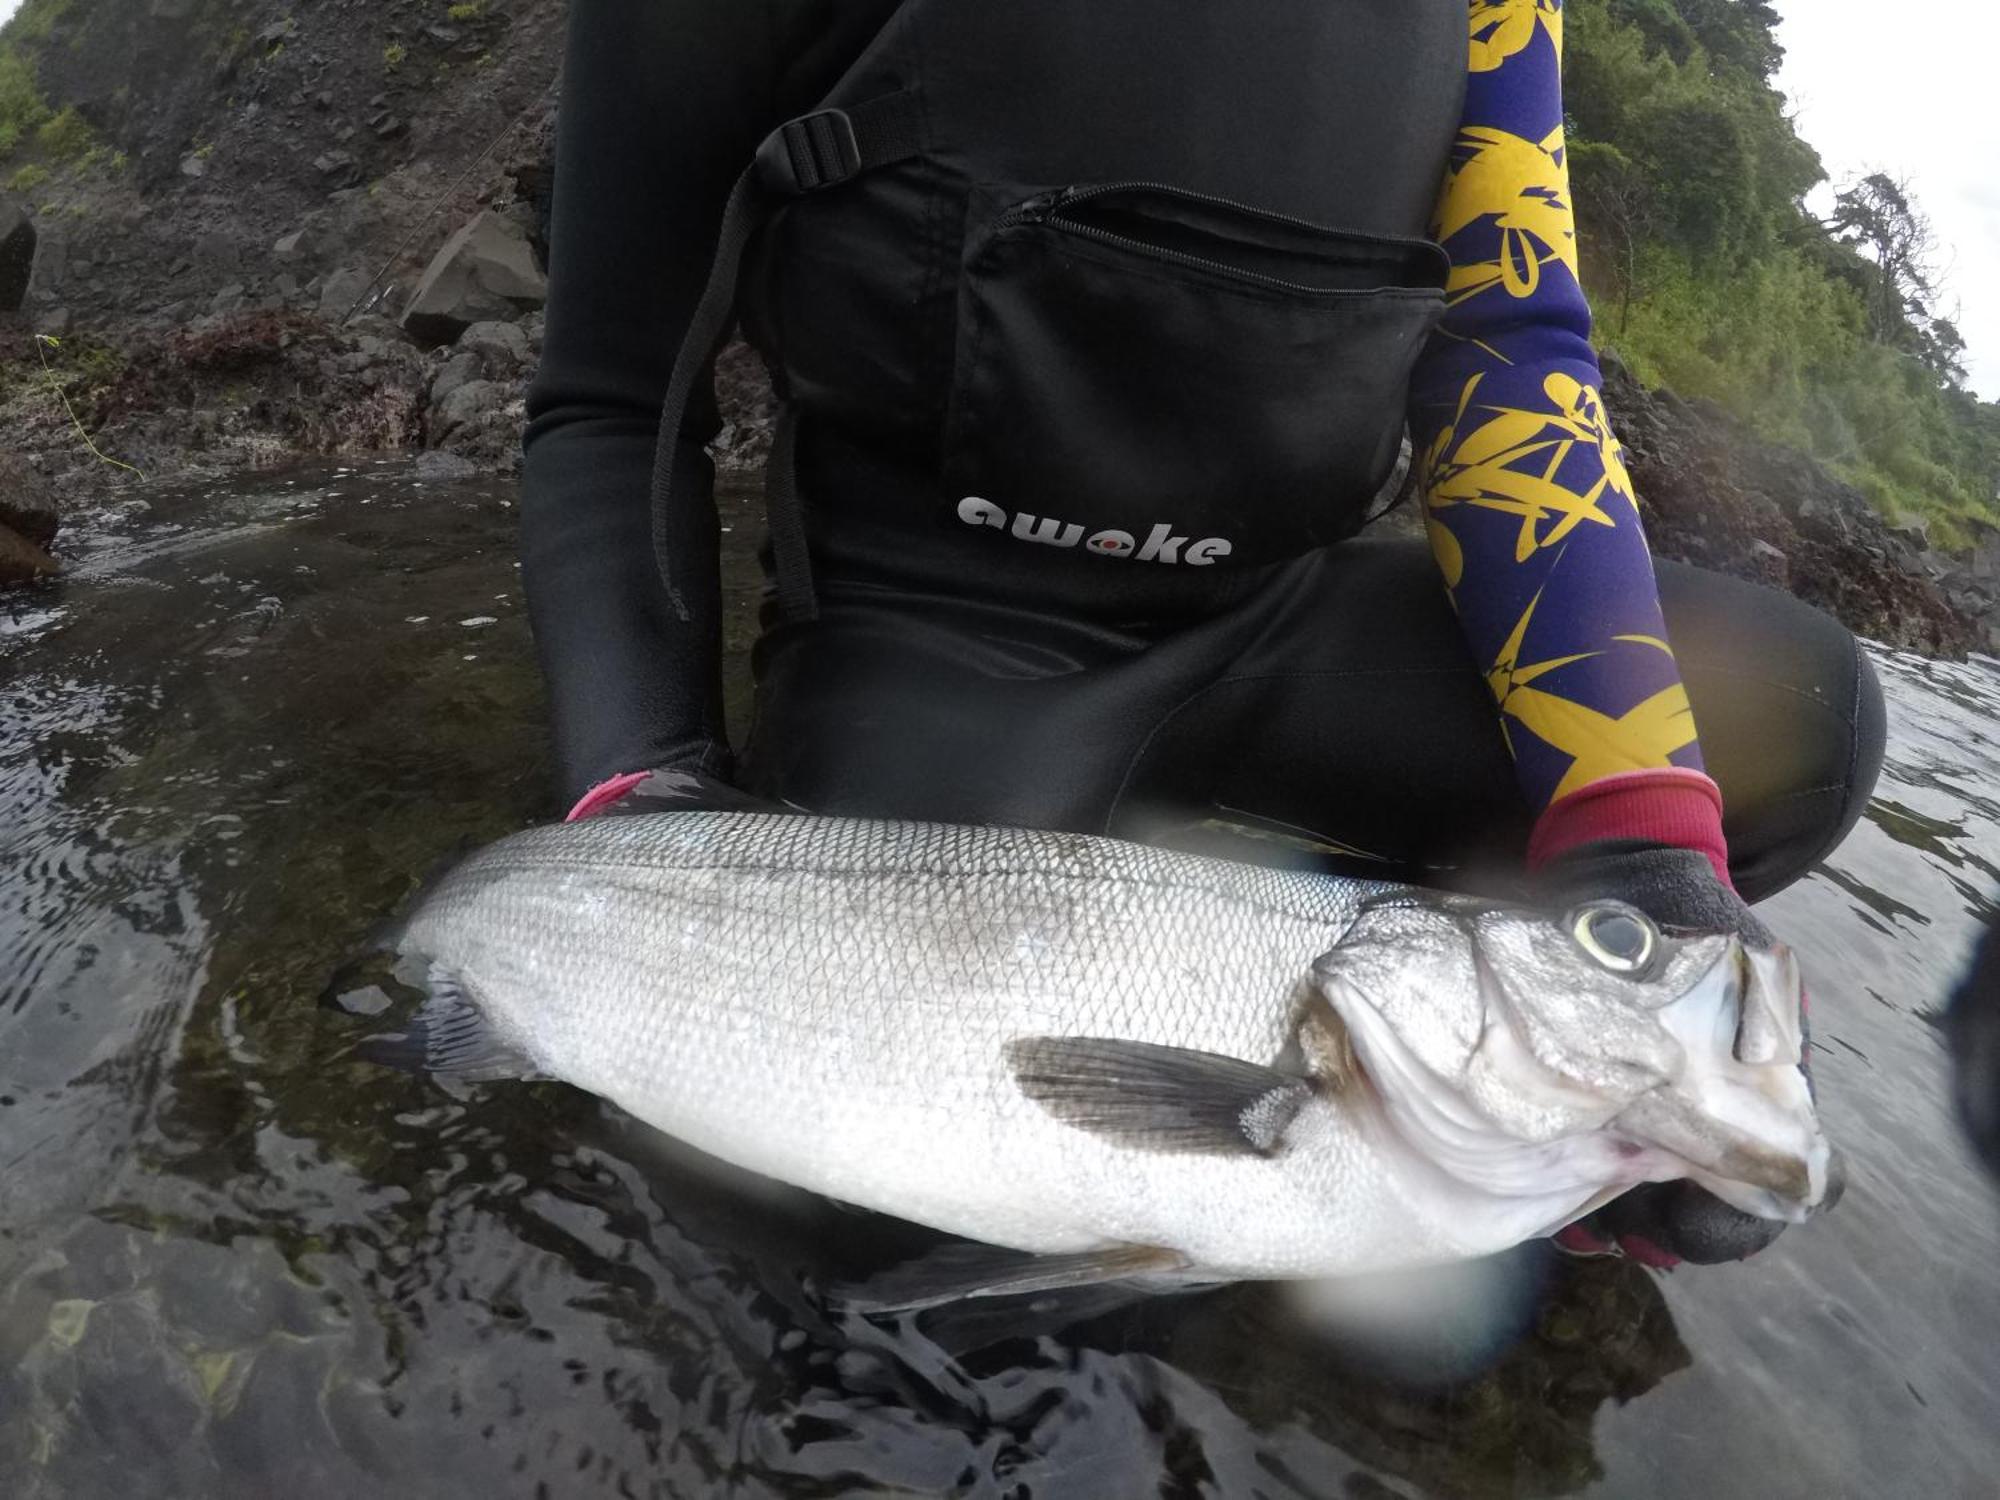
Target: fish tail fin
(451, 1035)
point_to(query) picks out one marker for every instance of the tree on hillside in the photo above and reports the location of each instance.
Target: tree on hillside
(1878, 217)
(1690, 179)
(1617, 207)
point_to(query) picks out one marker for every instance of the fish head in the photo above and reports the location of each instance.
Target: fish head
(1520, 1050)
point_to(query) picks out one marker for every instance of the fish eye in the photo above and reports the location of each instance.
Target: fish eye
(1616, 937)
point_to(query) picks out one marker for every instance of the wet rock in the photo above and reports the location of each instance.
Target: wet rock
(341, 291)
(1915, 532)
(486, 271)
(212, 252)
(501, 345)
(228, 299)
(440, 468)
(1771, 562)
(17, 254)
(337, 168)
(460, 369)
(285, 285)
(51, 262)
(480, 422)
(299, 245)
(21, 560)
(467, 404)
(27, 501)
(749, 410)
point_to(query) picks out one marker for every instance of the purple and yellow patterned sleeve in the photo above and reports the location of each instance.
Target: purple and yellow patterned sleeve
(1528, 505)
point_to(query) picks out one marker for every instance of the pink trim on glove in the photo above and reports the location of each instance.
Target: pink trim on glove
(1672, 806)
(601, 796)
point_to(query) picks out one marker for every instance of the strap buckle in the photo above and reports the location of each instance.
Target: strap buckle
(812, 152)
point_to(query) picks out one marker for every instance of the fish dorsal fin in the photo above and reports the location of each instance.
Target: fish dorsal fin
(451, 1035)
(954, 1272)
(1147, 1097)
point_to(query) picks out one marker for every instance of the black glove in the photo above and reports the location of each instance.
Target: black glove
(1661, 1223)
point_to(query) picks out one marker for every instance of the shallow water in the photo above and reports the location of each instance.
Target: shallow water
(234, 1262)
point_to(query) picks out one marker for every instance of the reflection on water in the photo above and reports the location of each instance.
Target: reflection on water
(234, 1262)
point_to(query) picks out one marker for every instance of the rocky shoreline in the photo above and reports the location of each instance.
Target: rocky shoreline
(325, 235)
(1715, 495)
(262, 386)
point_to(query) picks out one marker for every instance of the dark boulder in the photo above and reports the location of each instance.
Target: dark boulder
(27, 501)
(21, 561)
(486, 272)
(17, 254)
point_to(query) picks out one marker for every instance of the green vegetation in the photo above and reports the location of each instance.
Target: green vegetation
(28, 178)
(1710, 276)
(36, 19)
(393, 55)
(465, 11)
(66, 135)
(22, 108)
(93, 366)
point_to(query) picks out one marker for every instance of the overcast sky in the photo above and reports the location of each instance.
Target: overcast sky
(1907, 89)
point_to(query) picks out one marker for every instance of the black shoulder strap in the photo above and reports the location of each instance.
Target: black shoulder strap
(813, 152)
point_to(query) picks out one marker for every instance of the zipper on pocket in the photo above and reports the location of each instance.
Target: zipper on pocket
(1056, 210)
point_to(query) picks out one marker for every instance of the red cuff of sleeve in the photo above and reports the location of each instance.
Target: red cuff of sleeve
(604, 794)
(1672, 806)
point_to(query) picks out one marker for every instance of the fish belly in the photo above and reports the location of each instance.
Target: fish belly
(842, 1024)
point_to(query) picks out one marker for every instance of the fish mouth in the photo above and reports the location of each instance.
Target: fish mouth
(1740, 1116)
(1725, 1103)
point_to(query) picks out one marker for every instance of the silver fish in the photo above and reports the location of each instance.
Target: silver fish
(1122, 1060)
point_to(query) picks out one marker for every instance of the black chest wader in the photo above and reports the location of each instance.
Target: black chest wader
(1093, 322)
(1096, 309)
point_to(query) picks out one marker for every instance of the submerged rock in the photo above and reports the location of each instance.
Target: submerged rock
(21, 560)
(439, 467)
(27, 501)
(485, 272)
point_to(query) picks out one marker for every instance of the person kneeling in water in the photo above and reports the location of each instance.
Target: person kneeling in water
(1097, 331)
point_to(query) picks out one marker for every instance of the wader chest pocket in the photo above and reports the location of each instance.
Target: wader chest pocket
(1132, 355)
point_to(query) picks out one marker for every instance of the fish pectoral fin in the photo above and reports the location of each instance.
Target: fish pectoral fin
(450, 1035)
(1153, 1098)
(954, 1272)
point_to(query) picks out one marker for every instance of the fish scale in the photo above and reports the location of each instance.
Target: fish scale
(832, 1002)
